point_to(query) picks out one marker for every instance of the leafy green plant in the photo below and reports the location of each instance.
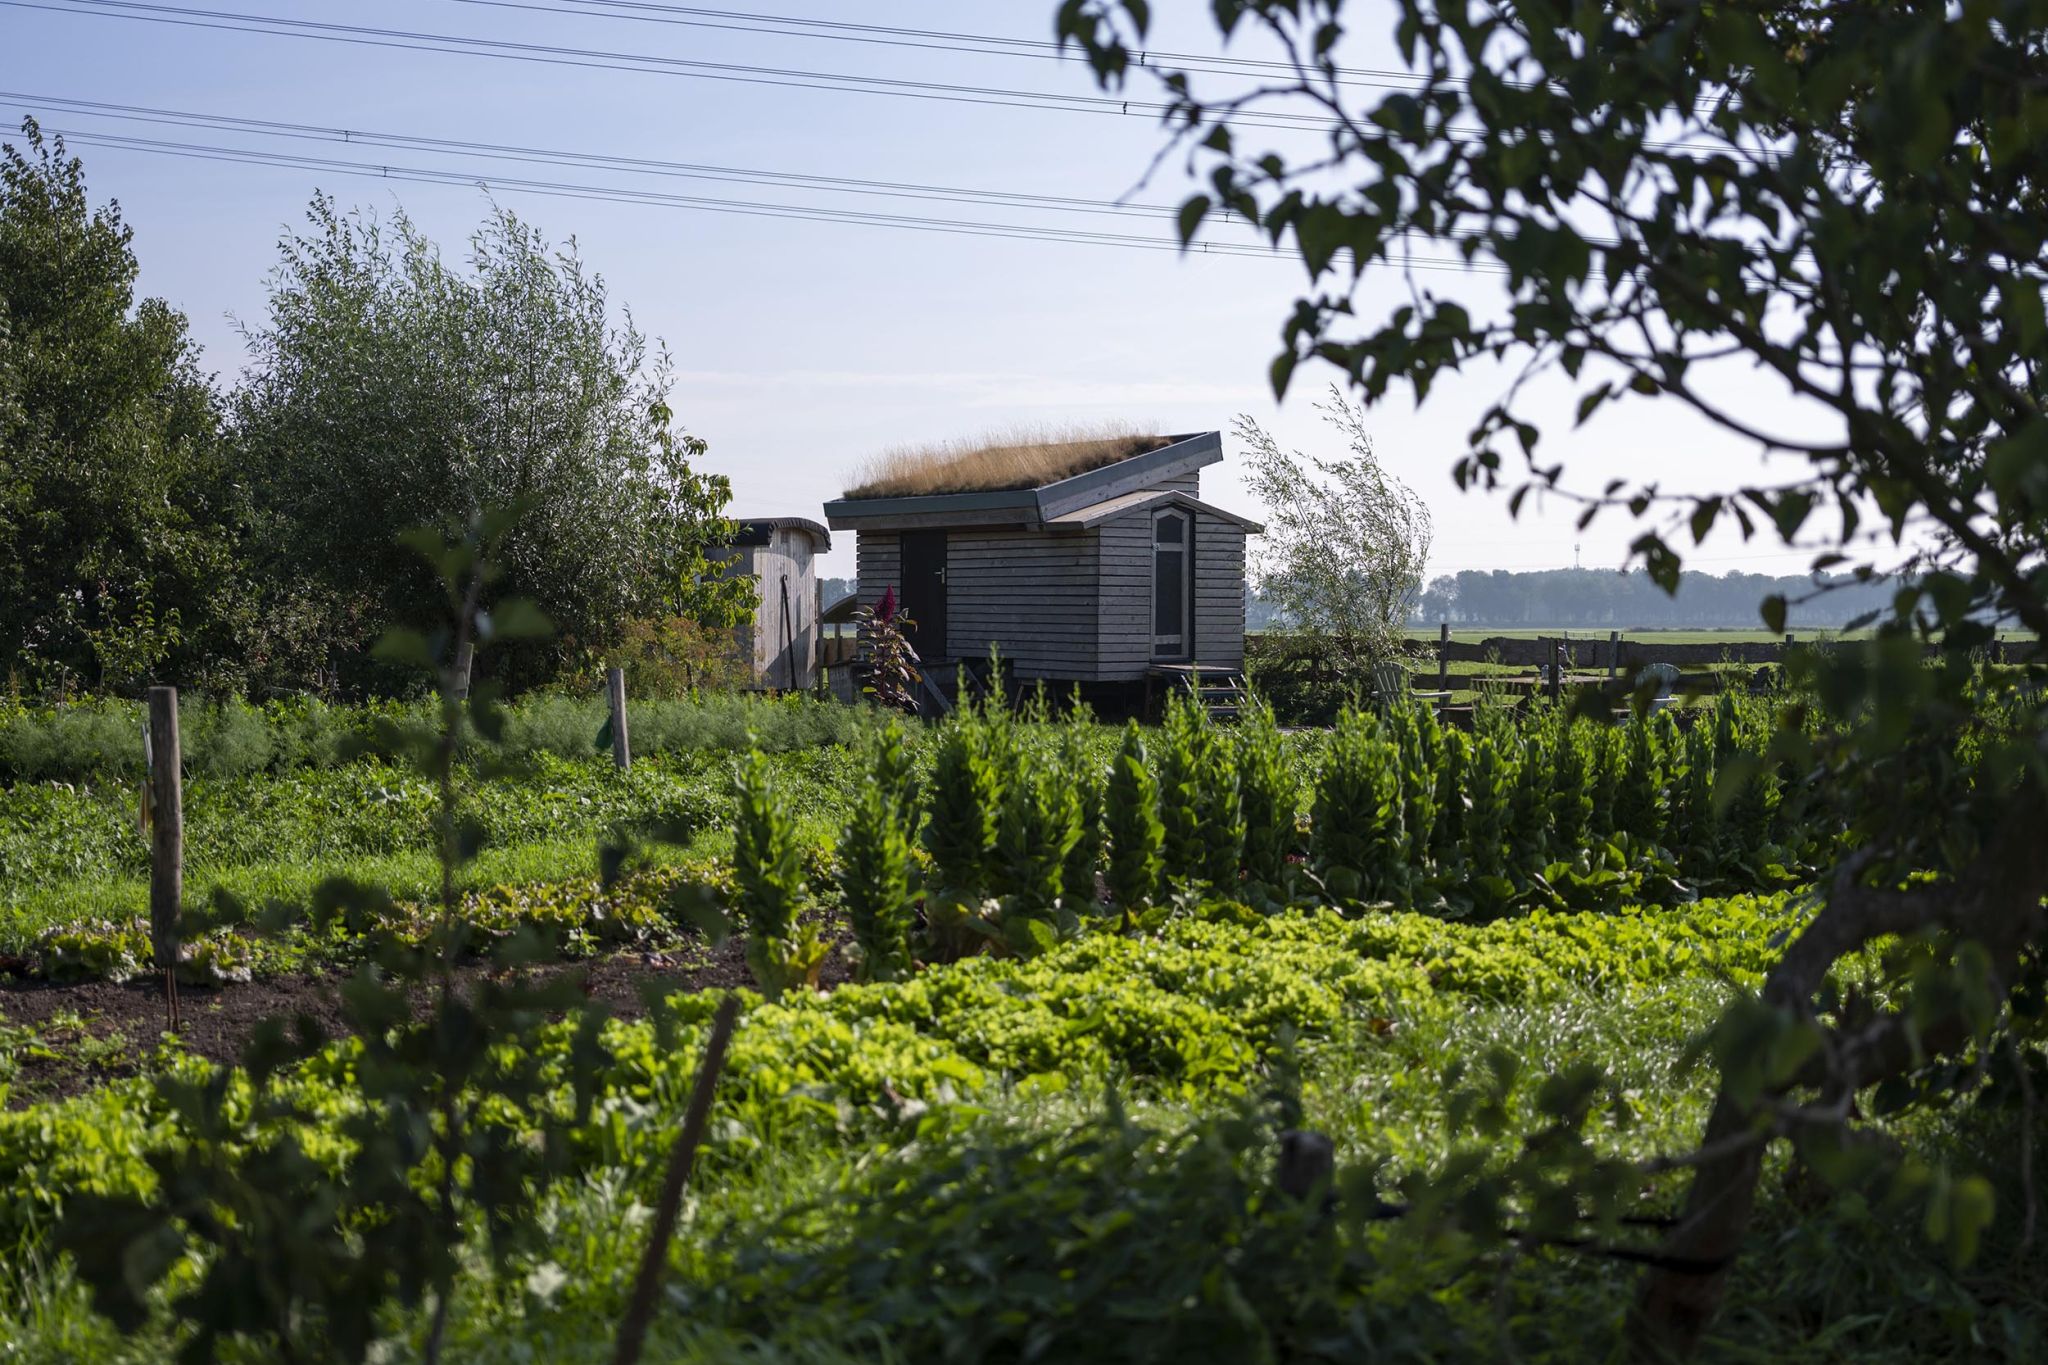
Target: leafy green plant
(770, 894)
(1083, 774)
(1198, 797)
(1038, 832)
(1359, 842)
(1136, 833)
(1267, 795)
(874, 861)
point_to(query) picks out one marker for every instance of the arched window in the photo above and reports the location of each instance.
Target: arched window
(1172, 584)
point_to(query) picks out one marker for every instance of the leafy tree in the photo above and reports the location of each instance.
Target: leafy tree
(389, 389)
(118, 554)
(1845, 199)
(1345, 541)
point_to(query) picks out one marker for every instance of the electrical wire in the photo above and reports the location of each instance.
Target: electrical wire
(599, 59)
(931, 40)
(638, 165)
(352, 137)
(700, 203)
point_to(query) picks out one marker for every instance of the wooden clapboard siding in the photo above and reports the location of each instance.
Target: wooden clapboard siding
(1124, 628)
(1219, 592)
(878, 560)
(1030, 594)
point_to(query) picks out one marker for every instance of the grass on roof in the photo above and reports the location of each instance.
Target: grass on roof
(989, 464)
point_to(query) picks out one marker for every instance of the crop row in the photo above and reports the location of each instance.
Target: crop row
(1186, 1010)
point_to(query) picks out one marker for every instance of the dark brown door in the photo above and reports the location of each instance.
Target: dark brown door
(924, 590)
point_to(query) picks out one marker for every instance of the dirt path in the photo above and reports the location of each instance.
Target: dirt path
(96, 1031)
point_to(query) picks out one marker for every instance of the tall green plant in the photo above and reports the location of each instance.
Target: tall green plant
(1136, 833)
(1198, 797)
(1039, 828)
(1489, 790)
(1451, 800)
(962, 812)
(1571, 796)
(874, 862)
(1267, 795)
(783, 949)
(1085, 780)
(1358, 839)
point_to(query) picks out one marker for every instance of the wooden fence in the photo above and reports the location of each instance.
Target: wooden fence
(1621, 658)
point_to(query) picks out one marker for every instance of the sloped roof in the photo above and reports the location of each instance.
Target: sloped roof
(1032, 507)
(759, 530)
(1083, 517)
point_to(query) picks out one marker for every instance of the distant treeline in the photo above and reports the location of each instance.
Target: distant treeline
(1605, 598)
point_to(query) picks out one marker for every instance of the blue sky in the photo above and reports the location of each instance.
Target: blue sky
(802, 347)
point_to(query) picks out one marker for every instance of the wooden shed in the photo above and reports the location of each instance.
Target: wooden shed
(781, 642)
(1101, 576)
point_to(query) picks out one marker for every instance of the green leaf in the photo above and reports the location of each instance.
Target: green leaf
(1192, 212)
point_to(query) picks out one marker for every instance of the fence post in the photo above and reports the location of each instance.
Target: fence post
(167, 840)
(1443, 656)
(465, 655)
(1613, 653)
(615, 690)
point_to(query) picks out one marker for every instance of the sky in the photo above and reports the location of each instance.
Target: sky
(802, 346)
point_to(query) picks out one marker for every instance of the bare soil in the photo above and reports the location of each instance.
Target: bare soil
(97, 1031)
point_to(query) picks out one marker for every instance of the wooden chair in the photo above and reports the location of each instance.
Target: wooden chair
(1390, 688)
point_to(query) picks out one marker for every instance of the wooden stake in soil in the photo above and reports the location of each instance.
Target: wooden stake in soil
(167, 840)
(615, 689)
(640, 1309)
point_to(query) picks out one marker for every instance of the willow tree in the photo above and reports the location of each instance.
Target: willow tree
(1682, 199)
(390, 389)
(1345, 544)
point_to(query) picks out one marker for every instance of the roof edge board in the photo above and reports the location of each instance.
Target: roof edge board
(1195, 450)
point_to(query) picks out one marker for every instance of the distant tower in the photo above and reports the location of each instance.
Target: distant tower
(1575, 556)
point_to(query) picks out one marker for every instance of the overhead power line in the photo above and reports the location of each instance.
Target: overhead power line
(930, 40)
(538, 155)
(44, 104)
(699, 203)
(550, 54)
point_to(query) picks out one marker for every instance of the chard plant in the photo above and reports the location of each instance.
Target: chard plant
(1135, 832)
(783, 948)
